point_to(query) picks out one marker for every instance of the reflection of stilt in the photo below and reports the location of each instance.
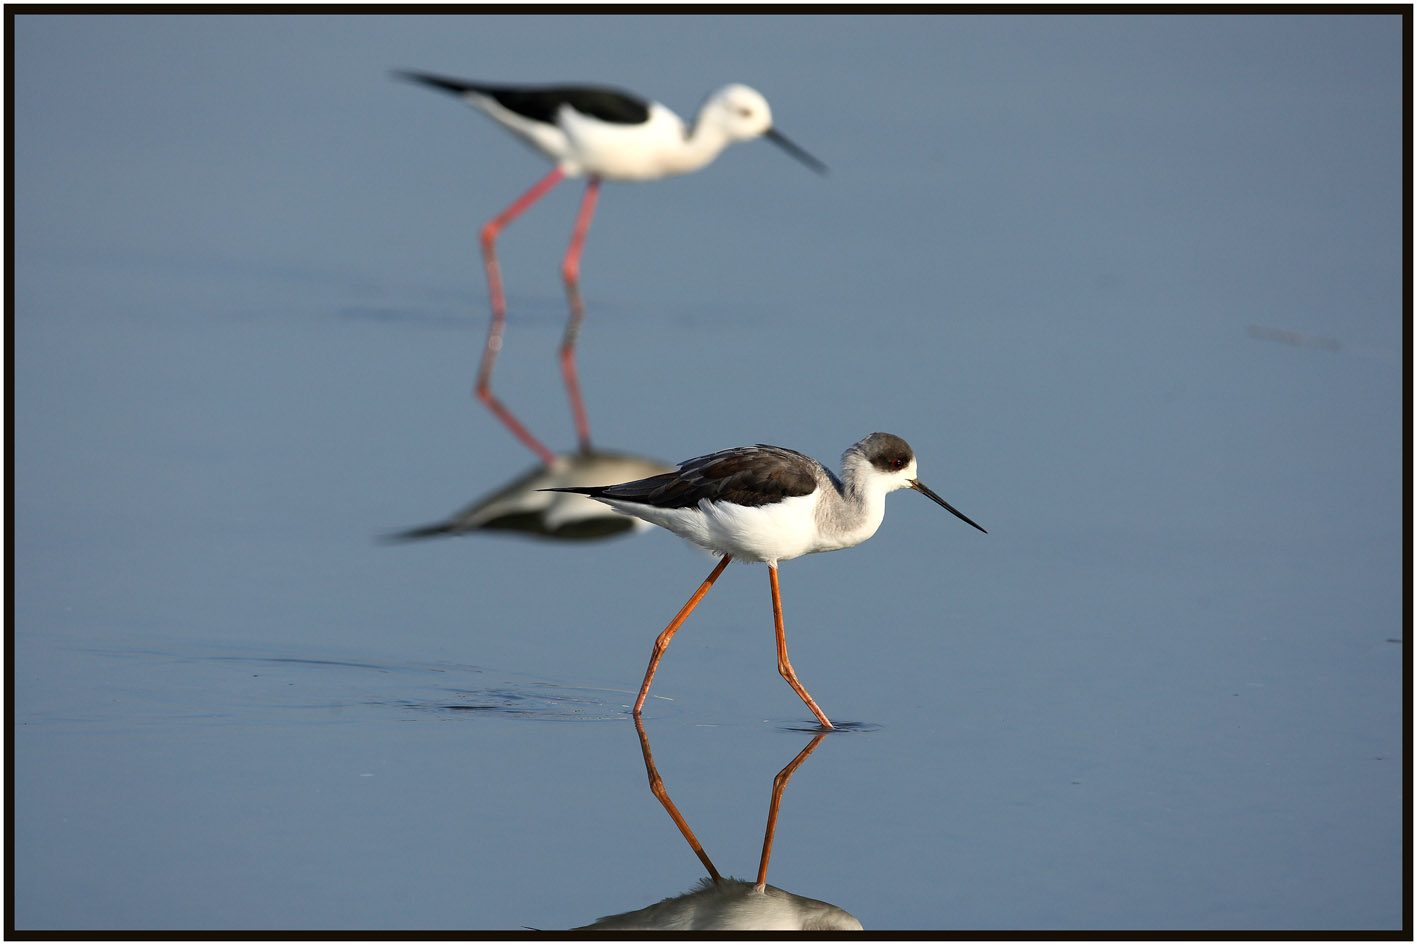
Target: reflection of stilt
(521, 506)
(656, 786)
(721, 903)
(779, 784)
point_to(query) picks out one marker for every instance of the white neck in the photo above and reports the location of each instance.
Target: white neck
(852, 513)
(704, 142)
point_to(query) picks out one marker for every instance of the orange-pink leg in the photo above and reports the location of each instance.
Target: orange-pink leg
(499, 313)
(571, 273)
(656, 787)
(661, 643)
(779, 784)
(784, 665)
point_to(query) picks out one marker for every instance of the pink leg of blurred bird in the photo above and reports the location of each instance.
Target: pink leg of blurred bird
(499, 313)
(784, 665)
(571, 273)
(661, 643)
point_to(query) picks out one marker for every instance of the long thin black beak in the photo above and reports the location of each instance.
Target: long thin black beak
(784, 142)
(925, 490)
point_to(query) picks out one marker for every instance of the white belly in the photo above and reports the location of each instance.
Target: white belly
(773, 532)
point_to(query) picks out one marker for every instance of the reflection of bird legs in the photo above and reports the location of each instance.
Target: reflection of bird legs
(656, 786)
(570, 274)
(779, 784)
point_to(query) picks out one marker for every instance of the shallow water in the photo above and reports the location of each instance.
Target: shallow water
(1164, 691)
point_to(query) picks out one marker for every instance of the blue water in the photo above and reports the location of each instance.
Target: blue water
(1131, 287)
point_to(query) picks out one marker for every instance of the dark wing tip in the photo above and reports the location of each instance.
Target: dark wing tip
(455, 86)
(414, 534)
(591, 491)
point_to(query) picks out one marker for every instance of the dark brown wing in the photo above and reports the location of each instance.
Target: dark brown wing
(744, 475)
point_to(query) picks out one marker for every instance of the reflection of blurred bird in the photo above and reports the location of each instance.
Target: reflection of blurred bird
(520, 506)
(765, 503)
(732, 905)
(596, 133)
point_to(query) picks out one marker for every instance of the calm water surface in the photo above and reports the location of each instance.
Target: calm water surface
(1130, 287)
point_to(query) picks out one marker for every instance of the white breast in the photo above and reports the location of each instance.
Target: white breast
(624, 152)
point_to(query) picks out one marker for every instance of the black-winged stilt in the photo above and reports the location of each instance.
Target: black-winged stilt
(769, 504)
(597, 133)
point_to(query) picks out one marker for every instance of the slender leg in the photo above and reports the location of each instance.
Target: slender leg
(571, 273)
(661, 643)
(784, 665)
(499, 313)
(779, 784)
(656, 787)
